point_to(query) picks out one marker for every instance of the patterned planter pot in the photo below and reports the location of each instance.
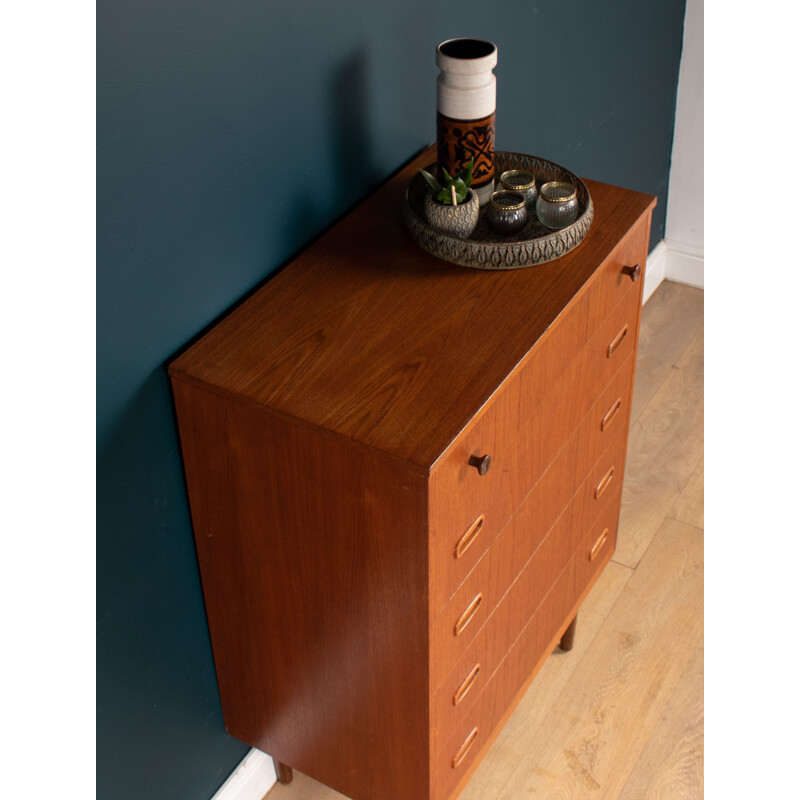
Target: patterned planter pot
(466, 95)
(459, 220)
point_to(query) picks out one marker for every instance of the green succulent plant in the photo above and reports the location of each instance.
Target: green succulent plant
(443, 192)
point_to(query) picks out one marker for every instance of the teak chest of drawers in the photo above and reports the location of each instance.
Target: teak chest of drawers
(404, 478)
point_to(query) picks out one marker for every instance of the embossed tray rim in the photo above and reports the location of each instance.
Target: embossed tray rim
(485, 250)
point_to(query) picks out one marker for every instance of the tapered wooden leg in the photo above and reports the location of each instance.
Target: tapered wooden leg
(568, 639)
(283, 772)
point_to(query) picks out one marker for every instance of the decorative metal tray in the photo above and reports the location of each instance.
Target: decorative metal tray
(534, 244)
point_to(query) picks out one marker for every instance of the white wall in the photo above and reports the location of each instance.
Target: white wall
(684, 226)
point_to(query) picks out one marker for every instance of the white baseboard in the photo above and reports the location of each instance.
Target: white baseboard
(684, 263)
(673, 261)
(251, 780)
(655, 270)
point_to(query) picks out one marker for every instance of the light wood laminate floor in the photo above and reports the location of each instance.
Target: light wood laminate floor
(621, 715)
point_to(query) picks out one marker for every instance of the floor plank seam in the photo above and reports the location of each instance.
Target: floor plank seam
(684, 522)
(623, 564)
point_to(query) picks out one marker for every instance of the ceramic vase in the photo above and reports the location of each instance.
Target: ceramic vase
(466, 96)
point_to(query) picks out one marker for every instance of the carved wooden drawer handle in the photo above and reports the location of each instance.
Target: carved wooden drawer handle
(603, 485)
(618, 340)
(469, 537)
(610, 414)
(469, 682)
(633, 271)
(467, 616)
(598, 545)
(464, 749)
(481, 463)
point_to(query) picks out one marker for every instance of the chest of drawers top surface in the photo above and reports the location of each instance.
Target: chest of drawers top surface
(368, 337)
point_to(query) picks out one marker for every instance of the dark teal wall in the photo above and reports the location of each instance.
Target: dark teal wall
(228, 135)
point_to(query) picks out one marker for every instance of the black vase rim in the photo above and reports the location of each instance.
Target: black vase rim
(467, 48)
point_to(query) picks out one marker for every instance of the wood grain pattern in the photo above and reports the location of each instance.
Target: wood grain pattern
(511, 745)
(659, 755)
(590, 742)
(319, 638)
(521, 665)
(671, 765)
(670, 319)
(523, 435)
(666, 445)
(689, 505)
(514, 615)
(494, 639)
(508, 555)
(328, 342)
(500, 563)
(331, 427)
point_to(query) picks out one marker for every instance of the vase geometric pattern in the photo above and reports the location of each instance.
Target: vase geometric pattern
(457, 141)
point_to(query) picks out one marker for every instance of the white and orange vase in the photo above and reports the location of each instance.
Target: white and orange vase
(466, 96)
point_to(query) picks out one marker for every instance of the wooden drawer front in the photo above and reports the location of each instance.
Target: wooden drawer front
(502, 562)
(608, 417)
(522, 661)
(605, 478)
(602, 357)
(597, 546)
(593, 523)
(522, 435)
(508, 554)
(599, 537)
(520, 449)
(589, 513)
(550, 494)
(613, 280)
(491, 643)
(505, 431)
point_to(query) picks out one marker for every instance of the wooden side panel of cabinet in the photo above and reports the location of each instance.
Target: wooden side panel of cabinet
(313, 556)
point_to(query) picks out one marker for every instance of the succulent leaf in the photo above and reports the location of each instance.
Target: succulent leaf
(431, 181)
(444, 197)
(461, 182)
(466, 174)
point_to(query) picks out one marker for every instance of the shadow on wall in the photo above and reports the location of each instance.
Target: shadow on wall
(352, 151)
(322, 198)
(156, 685)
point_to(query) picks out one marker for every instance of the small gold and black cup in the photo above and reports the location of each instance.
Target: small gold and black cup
(506, 213)
(522, 181)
